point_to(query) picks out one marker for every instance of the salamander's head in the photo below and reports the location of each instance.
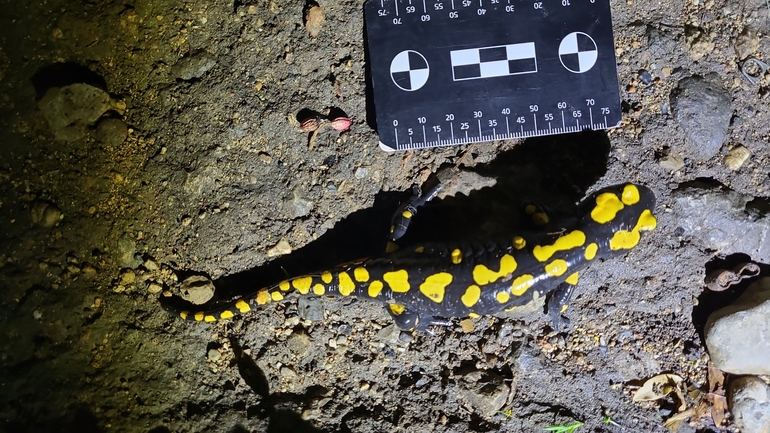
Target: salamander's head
(617, 215)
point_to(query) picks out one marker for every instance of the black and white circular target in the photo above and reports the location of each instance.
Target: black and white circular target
(409, 70)
(577, 52)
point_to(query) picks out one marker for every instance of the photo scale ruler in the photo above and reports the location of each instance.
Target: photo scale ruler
(467, 71)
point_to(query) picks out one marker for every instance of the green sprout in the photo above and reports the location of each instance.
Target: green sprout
(565, 428)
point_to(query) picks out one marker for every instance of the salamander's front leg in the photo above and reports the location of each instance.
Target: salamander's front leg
(403, 216)
(557, 305)
(408, 320)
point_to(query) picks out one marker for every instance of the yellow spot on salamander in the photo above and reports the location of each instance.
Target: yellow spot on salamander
(574, 239)
(434, 286)
(398, 281)
(419, 249)
(397, 308)
(302, 284)
(563, 308)
(457, 256)
(607, 206)
(625, 240)
(502, 297)
(198, 316)
(556, 268)
(483, 275)
(284, 285)
(647, 221)
(521, 284)
(209, 318)
(630, 195)
(319, 289)
(530, 209)
(375, 287)
(572, 279)
(508, 310)
(519, 242)
(263, 297)
(242, 306)
(227, 314)
(406, 214)
(473, 315)
(276, 296)
(183, 314)
(540, 218)
(591, 251)
(361, 274)
(471, 296)
(326, 277)
(346, 284)
(391, 246)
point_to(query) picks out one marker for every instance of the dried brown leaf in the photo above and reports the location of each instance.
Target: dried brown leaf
(658, 387)
(715, 377)
(718, 409)
(676, 421)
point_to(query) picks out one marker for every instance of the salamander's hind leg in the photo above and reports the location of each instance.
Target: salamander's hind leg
(557, 305)
(408, 319)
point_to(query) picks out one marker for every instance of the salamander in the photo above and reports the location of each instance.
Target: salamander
(424, 284)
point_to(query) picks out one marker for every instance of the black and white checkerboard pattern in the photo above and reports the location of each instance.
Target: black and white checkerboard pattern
(497, 61)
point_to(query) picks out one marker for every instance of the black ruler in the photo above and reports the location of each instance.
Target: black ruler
(447, 72)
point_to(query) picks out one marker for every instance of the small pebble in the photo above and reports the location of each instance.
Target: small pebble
(467, 325)
(314, 20)
(214, 355)
(736, 157)
(112, 132)
(127, 277)
(361, 172)
(151, 265)
(331, 187)
(645, 77)
(281, 248)
(154, 287)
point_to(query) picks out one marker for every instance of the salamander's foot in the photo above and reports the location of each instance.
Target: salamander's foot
(409, 320)
(558, 304)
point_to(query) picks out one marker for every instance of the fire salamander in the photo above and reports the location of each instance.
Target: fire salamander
(422, 285)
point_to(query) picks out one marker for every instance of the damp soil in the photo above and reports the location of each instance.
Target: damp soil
(216, 179)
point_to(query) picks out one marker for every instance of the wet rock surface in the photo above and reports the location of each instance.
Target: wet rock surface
(738, 336)
(750, 404)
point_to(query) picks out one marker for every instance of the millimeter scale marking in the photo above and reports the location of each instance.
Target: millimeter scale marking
(466, 67)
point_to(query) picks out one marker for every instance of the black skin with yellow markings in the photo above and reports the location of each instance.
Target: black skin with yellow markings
(422, 284)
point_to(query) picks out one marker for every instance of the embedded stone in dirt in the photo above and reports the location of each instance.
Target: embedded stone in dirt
(314, 20)
(197, 289)
(71, 109)
(193, 66)
(112, 132)
(736, 157)
(750, 404)
(738, 336)
(703, 109)
(717, 220)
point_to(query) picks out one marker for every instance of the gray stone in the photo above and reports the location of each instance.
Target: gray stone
(310, 308)
(717, 220)
(486, 397)
(750, 404)
(112, 132)
(71, 109)
(197, 289)
(193, 66)
(703, 109)
(738, 336)
(126, 252)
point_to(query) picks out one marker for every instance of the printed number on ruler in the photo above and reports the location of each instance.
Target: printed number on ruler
(448, 72)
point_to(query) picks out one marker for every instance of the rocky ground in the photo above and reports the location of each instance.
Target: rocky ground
(178, 153)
